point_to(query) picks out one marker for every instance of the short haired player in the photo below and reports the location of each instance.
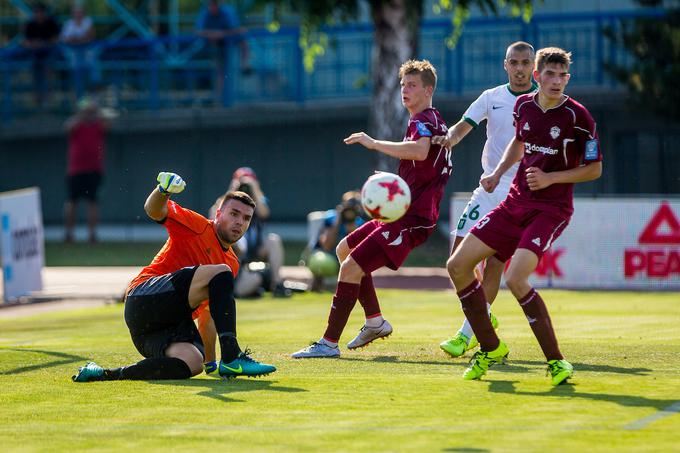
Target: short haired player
(494, 105)
(426, 168)
(194, 271)
(557, 146)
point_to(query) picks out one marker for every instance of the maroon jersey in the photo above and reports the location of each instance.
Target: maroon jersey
(426, 178)
(557, 139)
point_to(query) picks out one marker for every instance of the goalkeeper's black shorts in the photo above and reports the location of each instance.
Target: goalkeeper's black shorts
(157, 312)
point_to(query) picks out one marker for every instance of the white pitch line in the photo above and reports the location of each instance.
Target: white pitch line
(667, 412)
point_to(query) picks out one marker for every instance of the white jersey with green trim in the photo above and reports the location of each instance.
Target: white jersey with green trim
(495, 105)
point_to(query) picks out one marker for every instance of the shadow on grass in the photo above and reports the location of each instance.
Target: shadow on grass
(570, 391)
(520, 366)
(218, 389)
(67, 359)
(466, 450)
(398, 360)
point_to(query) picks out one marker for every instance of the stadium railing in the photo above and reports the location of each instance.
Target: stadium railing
(178, 71)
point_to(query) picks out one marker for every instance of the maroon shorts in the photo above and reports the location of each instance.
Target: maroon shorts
(376, 244)
(526, 228)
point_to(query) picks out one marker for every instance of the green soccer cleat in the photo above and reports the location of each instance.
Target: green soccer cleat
(243, 365)
(560, 370)
(482, 361)
(90, 372)
(457, 345)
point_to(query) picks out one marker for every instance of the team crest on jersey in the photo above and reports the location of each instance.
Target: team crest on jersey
(554, 132)
(526, 126)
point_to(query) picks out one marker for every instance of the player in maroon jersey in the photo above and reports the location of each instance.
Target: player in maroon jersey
(425, 168)
(556, 142)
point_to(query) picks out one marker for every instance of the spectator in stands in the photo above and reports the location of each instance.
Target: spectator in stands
(256, 246)
(220, 26)
(338, 223)
(40, 36)
(77, 33)
(79, 29)
(86, 139)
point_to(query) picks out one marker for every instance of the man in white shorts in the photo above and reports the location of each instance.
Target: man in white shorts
(494, 105)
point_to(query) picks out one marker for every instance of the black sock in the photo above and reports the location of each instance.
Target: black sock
(229, 347)
(150, 369)
(223, 312)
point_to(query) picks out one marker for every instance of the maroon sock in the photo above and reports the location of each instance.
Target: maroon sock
(539, 320)
(343, 302)
(368, 298)
(473, 302)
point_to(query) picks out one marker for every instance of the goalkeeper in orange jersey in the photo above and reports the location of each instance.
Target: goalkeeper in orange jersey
(194, 269)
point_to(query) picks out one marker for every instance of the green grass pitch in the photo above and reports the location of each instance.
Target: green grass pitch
(402, 394)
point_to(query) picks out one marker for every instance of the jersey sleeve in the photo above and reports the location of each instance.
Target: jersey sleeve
(586, 135)
(477, 111)
(421, 126)
(182, 221)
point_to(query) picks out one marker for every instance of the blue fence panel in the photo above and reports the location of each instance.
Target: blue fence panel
(184, 71)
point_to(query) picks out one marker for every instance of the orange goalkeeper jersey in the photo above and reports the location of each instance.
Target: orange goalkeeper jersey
(192, 241)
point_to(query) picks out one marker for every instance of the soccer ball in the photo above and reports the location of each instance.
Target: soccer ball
(385, 197)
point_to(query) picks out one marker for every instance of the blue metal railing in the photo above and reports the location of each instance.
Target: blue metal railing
(179, 71)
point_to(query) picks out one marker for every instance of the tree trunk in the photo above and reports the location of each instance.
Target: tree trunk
(394, 42)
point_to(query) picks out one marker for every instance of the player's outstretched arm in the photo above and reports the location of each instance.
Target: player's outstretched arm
(156, 205)
(408, 150)
(513, 154)
(455, 134)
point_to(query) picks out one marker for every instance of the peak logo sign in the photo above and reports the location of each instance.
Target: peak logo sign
(659, 253)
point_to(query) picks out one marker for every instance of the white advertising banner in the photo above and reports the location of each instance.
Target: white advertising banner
(21, 242)
(611, 243)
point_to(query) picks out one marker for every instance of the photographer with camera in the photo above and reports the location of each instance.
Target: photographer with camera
(338, 223)
(261, 255)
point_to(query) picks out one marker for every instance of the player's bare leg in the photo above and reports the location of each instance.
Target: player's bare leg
(368, 300)
(465, 338)
(473, 301)
(215, 282)
(523, 263)
(461, 267)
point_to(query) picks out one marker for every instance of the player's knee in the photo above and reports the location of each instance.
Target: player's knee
(349, 268)
(454, 265)
(514, 282)
(342, 250)
(189, 354)
(220, 268)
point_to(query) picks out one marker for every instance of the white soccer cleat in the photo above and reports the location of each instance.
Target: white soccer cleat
(368, 334)
(315, 350)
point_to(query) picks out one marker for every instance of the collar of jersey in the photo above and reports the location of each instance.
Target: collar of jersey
(535, 99)
(534, 85)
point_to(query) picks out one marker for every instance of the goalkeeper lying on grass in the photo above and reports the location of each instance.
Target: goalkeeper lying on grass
(162, 300)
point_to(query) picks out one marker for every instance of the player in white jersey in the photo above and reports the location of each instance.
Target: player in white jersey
(494, 105)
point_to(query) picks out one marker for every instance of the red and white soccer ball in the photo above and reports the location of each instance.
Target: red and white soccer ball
(385, 197)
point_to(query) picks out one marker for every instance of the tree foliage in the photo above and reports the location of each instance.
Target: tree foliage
(315, 14)
(654, 44)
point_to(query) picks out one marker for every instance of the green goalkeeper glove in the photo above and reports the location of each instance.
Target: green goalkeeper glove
(170, 183)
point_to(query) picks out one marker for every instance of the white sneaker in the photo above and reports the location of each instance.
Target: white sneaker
(368, 334)
(316, 350)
